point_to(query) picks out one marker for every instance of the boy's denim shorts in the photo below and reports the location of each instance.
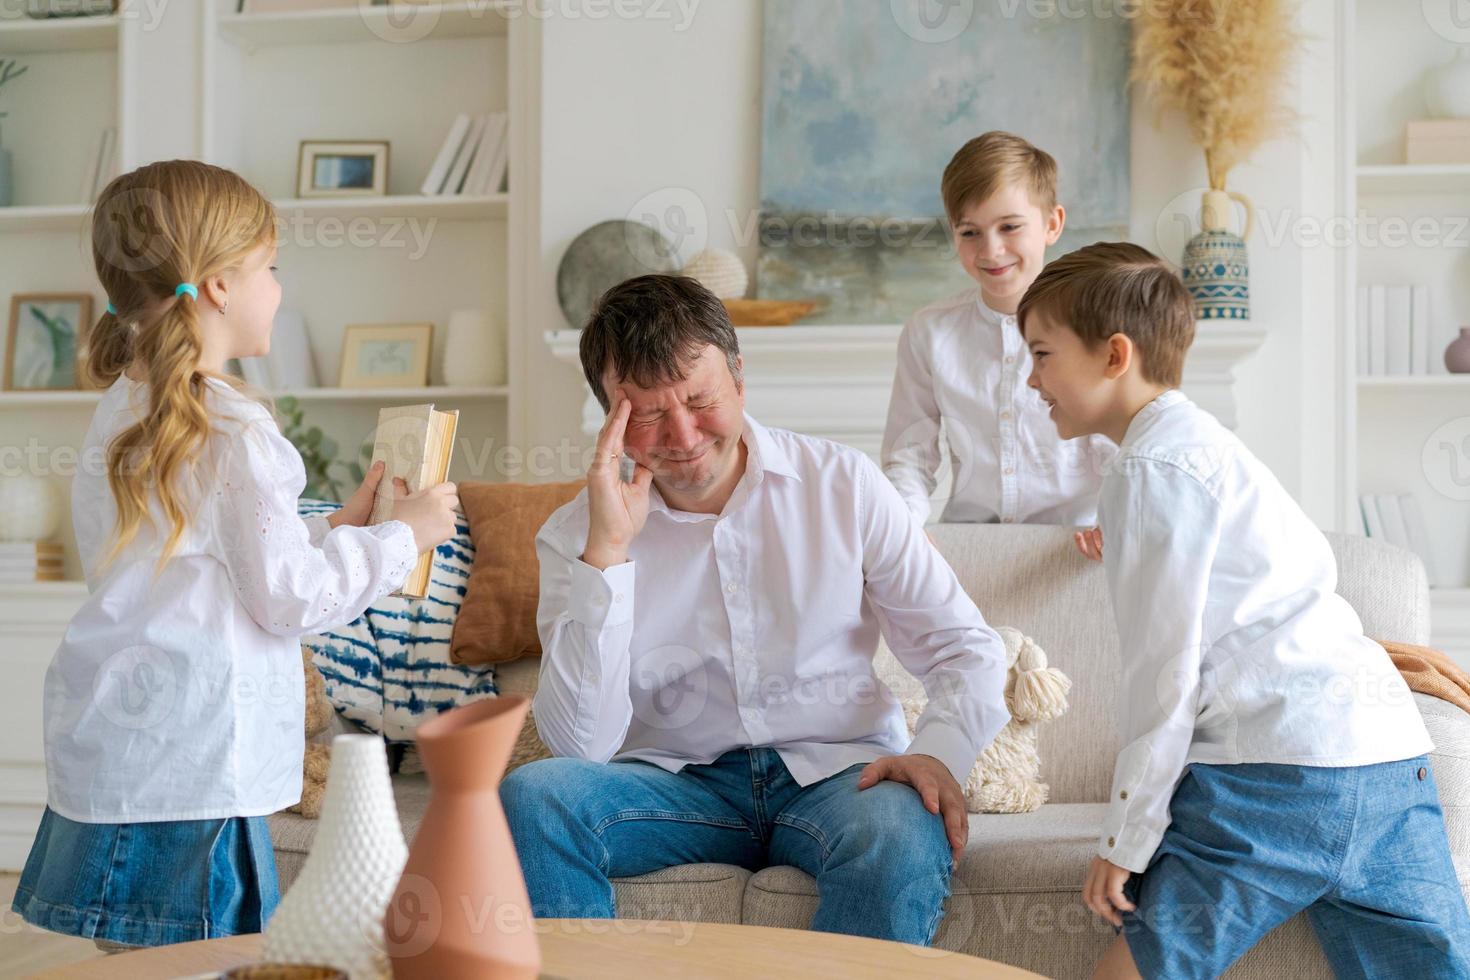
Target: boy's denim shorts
(1361, 849)
(149, 884)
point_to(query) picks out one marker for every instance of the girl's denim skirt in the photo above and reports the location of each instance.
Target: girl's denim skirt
(149, 884)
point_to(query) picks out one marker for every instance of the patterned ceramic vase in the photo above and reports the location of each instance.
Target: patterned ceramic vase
(333, 913)
(1216, 268)
(461, 909)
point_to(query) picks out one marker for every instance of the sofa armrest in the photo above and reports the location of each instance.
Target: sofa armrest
(1449, 727)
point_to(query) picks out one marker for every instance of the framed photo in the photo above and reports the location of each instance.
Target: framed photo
(332, 168)
(386, 355)
(47, 331)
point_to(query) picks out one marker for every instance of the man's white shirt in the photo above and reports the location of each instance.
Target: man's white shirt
(963, 366)
(758, 627)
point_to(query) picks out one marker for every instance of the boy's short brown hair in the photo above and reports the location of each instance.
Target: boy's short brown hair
(1118, 287)
(989, 162)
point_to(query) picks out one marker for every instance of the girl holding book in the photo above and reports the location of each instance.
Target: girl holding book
(174, 705)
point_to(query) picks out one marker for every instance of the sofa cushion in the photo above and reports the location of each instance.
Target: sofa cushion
(498, 620)
(389, 670)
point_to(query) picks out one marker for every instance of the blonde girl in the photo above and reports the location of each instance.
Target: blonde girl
(173, 707)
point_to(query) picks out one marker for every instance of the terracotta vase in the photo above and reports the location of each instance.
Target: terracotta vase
(461, 909)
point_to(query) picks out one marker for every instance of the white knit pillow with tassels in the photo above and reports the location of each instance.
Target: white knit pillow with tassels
(1007, 776)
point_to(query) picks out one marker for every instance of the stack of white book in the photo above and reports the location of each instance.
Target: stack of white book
(1393, 331)
(31, 561)
(1397, 519)
(474, 156)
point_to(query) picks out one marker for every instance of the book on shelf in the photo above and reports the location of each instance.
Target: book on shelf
(455, 180)
(1377, 338)
(1393, 331)
(472, 161)
(1419, 331)
(31, 561)
(488, 170)
(1396, 319)
(1372, 523)
(434, 182)
(1398, 520)
(1362, 331)
(415, 443)
(1418, 531)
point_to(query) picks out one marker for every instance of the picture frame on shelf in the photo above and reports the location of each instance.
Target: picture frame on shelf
(386, 355)
(342, 168)
(44, 341)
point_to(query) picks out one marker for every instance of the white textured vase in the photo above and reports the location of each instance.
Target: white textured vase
(333, 913)
(474, 350)
(29, 508)
(721, 272)
(1447, 87)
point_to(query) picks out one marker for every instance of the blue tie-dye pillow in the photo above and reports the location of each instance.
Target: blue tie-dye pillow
(389, 670)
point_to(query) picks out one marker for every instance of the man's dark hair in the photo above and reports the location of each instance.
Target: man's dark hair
(649, 329)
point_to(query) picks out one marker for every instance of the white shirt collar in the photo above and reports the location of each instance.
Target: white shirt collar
(990, 316)
(1149, 412)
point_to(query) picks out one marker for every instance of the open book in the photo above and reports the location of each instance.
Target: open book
(413, 442)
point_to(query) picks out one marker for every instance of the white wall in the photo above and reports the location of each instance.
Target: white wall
(636, 115)
(633, 108)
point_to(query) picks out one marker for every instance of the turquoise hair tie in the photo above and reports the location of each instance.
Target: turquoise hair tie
(111, 309)
(187, 287)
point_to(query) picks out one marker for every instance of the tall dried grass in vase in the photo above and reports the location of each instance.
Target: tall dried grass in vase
(1224, 64)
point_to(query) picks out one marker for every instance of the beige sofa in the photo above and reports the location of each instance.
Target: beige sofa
(1015, 895)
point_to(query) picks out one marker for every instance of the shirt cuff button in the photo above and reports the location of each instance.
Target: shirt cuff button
(1122, 794)
(1112, 842)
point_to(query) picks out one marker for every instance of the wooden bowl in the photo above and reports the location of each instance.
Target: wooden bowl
(768, 312)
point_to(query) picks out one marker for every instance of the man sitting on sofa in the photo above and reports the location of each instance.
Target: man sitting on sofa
(708, 630)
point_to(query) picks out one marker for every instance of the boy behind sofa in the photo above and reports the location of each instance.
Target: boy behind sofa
(1273, 758)
(962, 363)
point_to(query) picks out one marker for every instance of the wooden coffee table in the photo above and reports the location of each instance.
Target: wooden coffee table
(612, 948)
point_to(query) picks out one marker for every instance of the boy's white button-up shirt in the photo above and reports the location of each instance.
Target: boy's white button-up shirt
(181, 697)
(757, 627)
(964, 365)
(1235, 645)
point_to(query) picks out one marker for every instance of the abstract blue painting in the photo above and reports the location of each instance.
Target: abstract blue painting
(865, 103)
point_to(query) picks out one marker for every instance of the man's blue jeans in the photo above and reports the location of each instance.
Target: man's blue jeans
(881, 861)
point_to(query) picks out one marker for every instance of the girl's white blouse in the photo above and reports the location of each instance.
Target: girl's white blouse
(177, 693)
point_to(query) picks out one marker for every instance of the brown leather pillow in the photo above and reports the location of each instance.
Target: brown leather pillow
(497, 620)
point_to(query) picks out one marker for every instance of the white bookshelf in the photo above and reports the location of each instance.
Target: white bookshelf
(23, 36)
(242, 90)
(435, 22)
(449, 207)
(1403, 178)
(1389, 420)
(1419, 382)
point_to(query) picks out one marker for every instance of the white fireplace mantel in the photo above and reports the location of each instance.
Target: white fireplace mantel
(834, 381)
